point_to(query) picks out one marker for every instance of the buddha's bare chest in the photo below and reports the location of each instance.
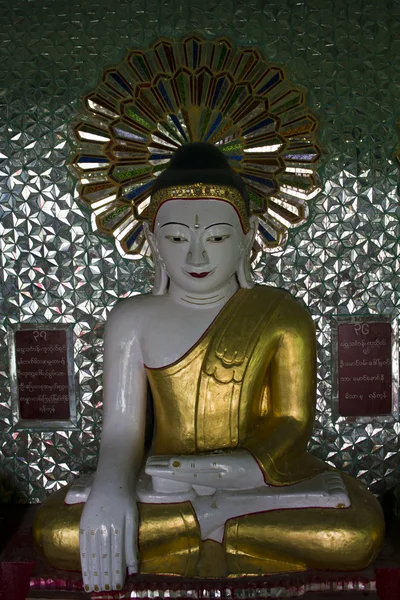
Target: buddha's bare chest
(170, 333)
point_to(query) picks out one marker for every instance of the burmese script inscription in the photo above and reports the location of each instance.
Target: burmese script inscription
(365, 368)
(42, 373)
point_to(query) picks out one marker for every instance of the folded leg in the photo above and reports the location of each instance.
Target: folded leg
(297, 539)
(169, 536)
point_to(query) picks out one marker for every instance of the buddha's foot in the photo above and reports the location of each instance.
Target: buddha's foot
(326, 490)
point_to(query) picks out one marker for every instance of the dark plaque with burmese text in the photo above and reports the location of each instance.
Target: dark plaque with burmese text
(365, 369)
(42, 374)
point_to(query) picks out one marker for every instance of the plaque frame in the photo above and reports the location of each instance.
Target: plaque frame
(45, 424)
(365, 318)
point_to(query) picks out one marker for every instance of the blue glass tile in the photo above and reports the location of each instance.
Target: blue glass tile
(159, 156)
(195, 54)
(217, 91)
(121, 82)
(179, 126)
(213, 127)
(268, 182)
(300, 157)
(131, 240)
(273, 81)
(165, 95)
(259, 125)
(127, 134)
(266, 233)
(92, 159)
(138, 190)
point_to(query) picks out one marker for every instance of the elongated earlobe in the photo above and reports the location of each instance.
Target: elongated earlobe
(244, 275)
(160, 275)
(243, 272)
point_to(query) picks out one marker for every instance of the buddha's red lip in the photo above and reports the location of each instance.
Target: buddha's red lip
(204, 274)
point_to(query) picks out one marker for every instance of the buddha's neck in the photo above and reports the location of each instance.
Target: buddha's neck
(215, 299)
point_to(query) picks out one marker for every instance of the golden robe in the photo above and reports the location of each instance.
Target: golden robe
(249, 382)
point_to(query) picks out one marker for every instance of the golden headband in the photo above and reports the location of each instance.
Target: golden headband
(202, 191)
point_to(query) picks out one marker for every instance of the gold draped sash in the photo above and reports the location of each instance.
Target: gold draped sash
(248, 382)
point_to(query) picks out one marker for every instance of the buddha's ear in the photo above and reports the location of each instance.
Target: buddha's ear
(160, 285)
(243, 272)
(251, 234)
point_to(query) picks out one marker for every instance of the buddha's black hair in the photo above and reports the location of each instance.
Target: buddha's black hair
(200, 162)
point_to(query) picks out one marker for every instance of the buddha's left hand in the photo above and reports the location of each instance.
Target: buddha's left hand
(234, 470)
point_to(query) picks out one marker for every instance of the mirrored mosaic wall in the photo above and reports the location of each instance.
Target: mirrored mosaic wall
(55, 269)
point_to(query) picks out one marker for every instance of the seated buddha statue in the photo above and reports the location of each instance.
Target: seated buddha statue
(228, 487)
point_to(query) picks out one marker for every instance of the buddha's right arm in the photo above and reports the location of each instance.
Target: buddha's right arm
(109, 523)
(124, 410)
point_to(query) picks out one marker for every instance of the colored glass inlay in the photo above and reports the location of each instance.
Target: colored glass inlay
(197, 90)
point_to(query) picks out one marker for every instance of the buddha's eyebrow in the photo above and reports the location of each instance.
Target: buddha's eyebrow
(174, 223)
(215, 224)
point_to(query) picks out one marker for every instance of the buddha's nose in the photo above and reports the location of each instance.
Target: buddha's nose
(197, 255)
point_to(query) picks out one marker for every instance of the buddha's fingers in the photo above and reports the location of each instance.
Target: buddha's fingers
(118, 568)
(334, 482)
(95, 559)
(158, 471)
(131, 545)
(86, 565)
(337, 488)
(105, 560)
(157, 462)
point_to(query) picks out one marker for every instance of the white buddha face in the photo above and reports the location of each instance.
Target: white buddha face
(200, 242)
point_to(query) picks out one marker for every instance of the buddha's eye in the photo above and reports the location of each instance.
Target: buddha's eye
(176, 239)
(216, 239)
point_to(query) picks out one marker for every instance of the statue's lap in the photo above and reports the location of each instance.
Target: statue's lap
(269, 542)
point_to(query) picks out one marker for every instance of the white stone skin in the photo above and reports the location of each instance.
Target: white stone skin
(189, 238)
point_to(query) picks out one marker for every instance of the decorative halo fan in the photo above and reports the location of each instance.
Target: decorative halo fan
(194, 90)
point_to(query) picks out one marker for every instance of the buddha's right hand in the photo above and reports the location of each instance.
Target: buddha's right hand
(108, 538)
